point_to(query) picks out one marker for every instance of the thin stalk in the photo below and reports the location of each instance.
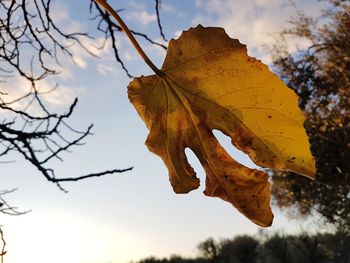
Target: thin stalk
(3, 251)
(131, 37)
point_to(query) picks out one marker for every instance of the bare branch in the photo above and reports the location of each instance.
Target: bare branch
(27, 125)
(158, 3)
(110, 30)
(6, 208)
(3, 250)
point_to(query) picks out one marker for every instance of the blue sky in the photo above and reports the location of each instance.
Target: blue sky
(129, 216)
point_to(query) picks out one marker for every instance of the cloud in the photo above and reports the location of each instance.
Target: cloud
(167, 8)
(128, 56)
(105, 69)
(136, 5)
(143, 17)
(13, 88)
(106, 63)
(55, 97)
(157, 50)
(199, 3)
(63, 96)
(80, 62)
(255, 23)
(61, 13)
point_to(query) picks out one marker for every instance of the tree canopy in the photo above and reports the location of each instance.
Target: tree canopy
(276, 248)
(320, 75)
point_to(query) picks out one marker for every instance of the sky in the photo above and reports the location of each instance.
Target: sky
(129, 216)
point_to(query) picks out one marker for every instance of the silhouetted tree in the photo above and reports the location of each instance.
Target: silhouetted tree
(209, 249)
(307, 249)
(320, 75)
(173, 259)
(303, 248)
(276, 250)
(241, 249)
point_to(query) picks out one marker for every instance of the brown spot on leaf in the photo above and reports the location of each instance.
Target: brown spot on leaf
(250, 59)
(246, 141)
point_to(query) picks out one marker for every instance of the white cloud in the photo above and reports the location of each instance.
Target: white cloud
(80, 62)
(156, 51)
(81, 58)
(53, 96)
(199, 3)
(62, 96)
(14, 88)
(167, 8)
(255, 23)
(136, 5)
(143, 17)
(128, 56)
(61, 13)
(105, 69)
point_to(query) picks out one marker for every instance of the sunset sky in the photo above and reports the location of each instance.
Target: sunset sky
(124, 217)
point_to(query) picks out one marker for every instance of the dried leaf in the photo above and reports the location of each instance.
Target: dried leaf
(209, 82)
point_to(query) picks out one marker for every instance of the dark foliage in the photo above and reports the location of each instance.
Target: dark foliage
(320, 75)
(241, 249)
(173, 259)
(209, 249)
(320, 248)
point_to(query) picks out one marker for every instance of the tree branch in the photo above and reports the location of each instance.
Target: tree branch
(3, 250)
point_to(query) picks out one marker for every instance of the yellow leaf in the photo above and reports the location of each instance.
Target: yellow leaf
(209, 82)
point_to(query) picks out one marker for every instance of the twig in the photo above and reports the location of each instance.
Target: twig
(131, 37)
(158, 20)
(3, 251)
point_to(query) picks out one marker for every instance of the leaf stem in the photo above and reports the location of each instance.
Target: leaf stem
(131, 37)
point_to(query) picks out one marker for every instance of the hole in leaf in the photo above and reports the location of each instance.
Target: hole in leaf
(237, 154)
(197, 166)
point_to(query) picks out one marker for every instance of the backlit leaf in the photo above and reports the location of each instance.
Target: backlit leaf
(209, 82)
